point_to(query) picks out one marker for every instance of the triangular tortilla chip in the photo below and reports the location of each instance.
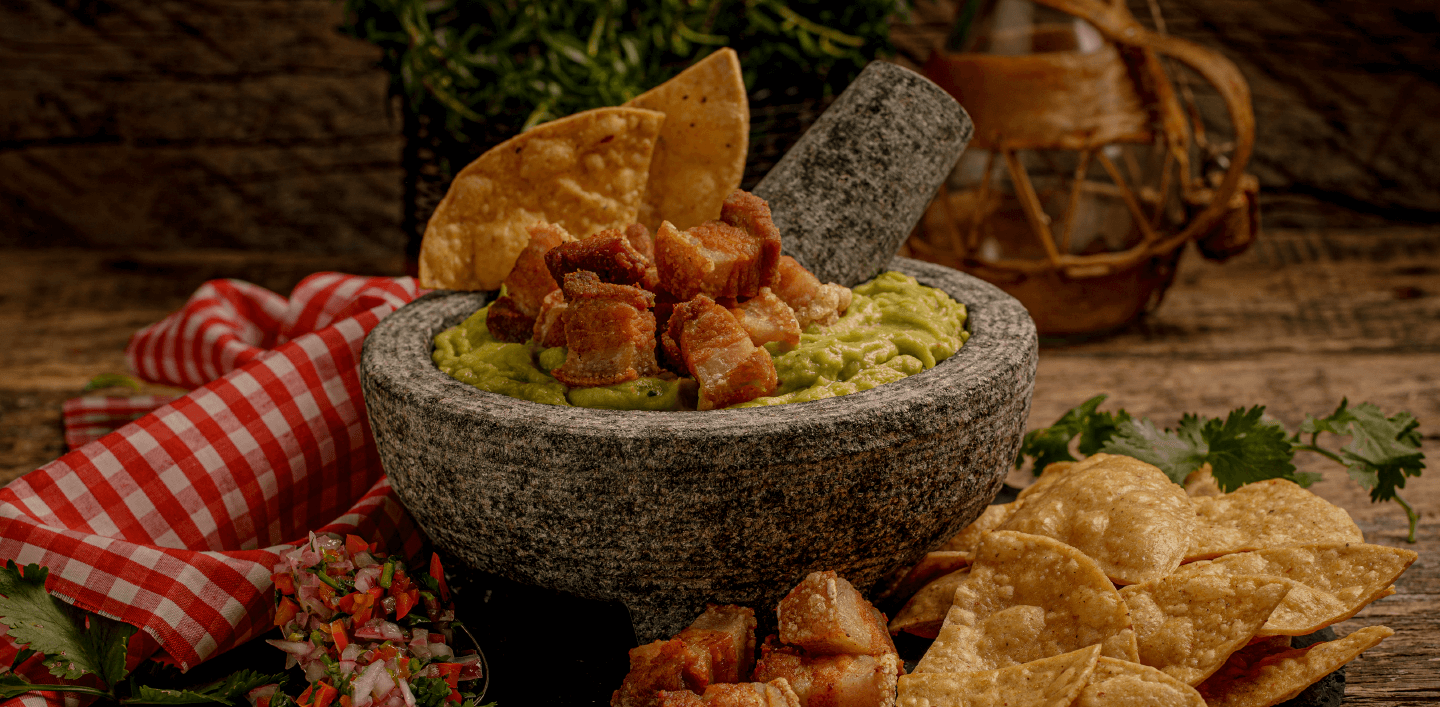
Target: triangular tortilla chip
(1051, 682)
(700, 157)
(584, 173)
(1261, 676)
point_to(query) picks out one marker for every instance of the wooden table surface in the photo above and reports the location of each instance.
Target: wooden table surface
(1300, 321)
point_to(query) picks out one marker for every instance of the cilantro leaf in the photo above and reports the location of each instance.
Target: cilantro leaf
(1052, 444)
(231, 691)
(1382, 452)
(1176, 453)
(1245, 449)
(58, 630)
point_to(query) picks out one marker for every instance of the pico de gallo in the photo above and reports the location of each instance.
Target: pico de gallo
(366, 631)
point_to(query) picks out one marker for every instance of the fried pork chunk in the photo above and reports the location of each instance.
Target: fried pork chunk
(727, 634)
(767, 318)
(824, 614)
(833, 680)
(811, 301)
(608, 254)
(609, 331)
(717, 351)
(549, 329)
(776, 693)
(662, 665)
(512, 317)
(732, 257)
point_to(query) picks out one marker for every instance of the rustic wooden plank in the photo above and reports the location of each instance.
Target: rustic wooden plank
(220, 123)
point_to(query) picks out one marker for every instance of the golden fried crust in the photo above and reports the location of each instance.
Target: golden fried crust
(507, 322)
(718, 353)
(732, 257)
(641, 239)
(608, 254)
(751, 214)
(609, 331)
(549, 328)
(811, 301)
(530, 281)
(662, 665)
(767, 318)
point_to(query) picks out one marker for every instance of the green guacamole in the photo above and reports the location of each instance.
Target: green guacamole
(895, 327)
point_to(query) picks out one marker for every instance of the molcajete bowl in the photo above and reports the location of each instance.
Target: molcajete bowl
(665, 511)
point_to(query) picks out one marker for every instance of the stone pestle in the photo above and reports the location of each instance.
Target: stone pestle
(853, 187)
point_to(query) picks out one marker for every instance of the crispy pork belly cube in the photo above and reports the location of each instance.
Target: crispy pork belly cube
(732, 257)
(767, 318)
(776, 693)
(727, 633)
(549, 330)
(812, 301)
(826, 614)
(530, 280)
(717, 351)
(512, 318)
(609, 331)
(662, 665)
(833, 680)
(641, 239)
(608, 254)
(507, 323)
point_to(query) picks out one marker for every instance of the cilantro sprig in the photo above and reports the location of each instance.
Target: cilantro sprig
(74, 643)
(1244, 447)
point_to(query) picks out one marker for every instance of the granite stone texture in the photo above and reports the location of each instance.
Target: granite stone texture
(854, 186)
(665, 511)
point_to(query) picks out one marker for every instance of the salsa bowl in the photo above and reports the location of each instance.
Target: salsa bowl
(665, 511)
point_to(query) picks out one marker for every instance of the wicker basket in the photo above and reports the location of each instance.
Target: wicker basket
(1087, 176)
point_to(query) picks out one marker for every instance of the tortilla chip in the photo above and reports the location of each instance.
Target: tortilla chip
(969, 538)
(1264, 676)
(1029, 597)
(1051, 682)
(584, 173)
(1336, 580)
(1120, 683)
(700, 156)
(1052, 472)
(930, 567)
(1271, 513)
(925, 613)
(1125, 514)
(1201, 482)
(1187, 625)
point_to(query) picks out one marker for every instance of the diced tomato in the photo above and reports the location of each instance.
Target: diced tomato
(437, 638)
(284, 583)
(327, 595)
(325, 695)
(345, 701)
(438, 573)
(362, 617)
(286, 611)
(305, 696)
(354, 544)
(449, 671)
(454, 696)
(347, 602)
(337, 631)
(385, 652)
(404, 602)
(263, 702)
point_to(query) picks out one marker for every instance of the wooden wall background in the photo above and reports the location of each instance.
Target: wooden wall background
(253, 124)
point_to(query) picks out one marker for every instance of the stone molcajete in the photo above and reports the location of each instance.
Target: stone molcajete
(665, 511)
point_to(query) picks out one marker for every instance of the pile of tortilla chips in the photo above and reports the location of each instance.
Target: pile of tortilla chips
(671, 154)
(1105, 583)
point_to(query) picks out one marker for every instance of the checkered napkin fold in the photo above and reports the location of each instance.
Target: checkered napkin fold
(174, 521)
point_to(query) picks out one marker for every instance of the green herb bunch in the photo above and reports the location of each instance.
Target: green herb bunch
(75, 644)
(1245, 447)
(514, 63)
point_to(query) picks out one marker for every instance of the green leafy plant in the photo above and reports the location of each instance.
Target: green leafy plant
(514, 64)
(74, 643)
(1244, 447)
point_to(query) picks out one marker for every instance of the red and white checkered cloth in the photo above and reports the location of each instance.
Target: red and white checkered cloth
(173, 522)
